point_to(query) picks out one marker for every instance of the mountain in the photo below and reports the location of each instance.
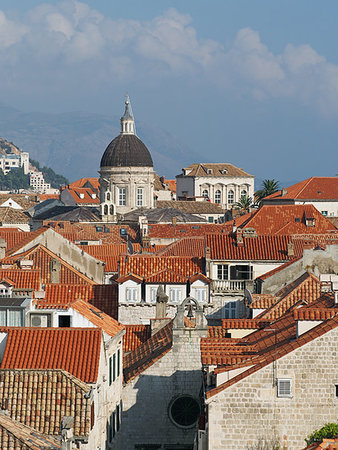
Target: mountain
(73, 143)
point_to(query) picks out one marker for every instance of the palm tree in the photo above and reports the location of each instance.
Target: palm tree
(268, 187)
(244, 203)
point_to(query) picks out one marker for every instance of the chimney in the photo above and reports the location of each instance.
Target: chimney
(284, 192)
(3, 245)
(54, 269)
(67, 433)
(161, 318)
(291, 250)
(239, 237)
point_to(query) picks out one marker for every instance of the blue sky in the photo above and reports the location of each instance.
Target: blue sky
(253, 83)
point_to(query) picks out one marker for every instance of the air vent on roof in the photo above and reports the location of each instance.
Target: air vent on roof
(99, 229)
(297, 219)
(123, 231)
(81, 195)
(106, 229)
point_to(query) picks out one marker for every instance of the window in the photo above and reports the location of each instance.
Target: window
(336, 390)
(122, 196)
(284, 387)
(110, 370)
(64, 321)
(200, 294)
(117, 418)
(218, 196)
(222, 271)
(324, 213)
(230, 310)
(131, 294)
(210, 219)
(139, 197)
(105, 210)
(114, 367)
(111, 210)
(153, 294)
(240, 272)
(231, 197)
(118, 363)
(205, 193)
(175, 295)
(184, 411)
(243, 193)
(108, 196)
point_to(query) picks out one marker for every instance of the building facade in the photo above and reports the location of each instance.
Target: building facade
(126, 172)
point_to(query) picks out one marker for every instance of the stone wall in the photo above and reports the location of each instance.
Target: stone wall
(147, 398)
(250, 410)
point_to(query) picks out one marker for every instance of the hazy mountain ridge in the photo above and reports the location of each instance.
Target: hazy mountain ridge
(73, 143)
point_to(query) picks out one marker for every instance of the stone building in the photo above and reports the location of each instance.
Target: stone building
(282, 387)
(126, 172)
(161, 398)
(220, 183)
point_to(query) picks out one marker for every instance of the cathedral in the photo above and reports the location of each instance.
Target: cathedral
(126, 172)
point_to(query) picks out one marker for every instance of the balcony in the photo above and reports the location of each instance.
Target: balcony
(219, 286)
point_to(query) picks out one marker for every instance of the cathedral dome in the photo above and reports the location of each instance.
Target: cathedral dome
(126, 150)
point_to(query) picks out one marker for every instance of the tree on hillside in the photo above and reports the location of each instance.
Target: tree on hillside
(268, 187)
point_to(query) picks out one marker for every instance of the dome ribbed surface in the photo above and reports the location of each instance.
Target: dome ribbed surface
(126, 150)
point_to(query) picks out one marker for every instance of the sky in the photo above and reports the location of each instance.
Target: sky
(252, 83)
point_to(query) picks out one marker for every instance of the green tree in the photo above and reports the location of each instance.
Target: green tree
(328, 431)
(268, 187)
(244, 203)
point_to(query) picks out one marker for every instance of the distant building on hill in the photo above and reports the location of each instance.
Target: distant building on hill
(10, 161)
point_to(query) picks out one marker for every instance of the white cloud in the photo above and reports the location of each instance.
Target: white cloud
(56, 42)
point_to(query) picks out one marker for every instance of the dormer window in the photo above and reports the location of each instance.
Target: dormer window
(310, 222)
(209, 171)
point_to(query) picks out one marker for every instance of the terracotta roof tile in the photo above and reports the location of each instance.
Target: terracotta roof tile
(145, 266)
(217, 332)
(249, 324)
(41, 398)
(15, 435)
(98, 317)
(147, 353)
(12, 216)
(102, 296)
(22, 279)
(314, 188)
(83, 196)
(288, 219)
(135, 336)
(85, 182)
(76, 350)
(217, 169)
(263, 301)
(42, 258)
(190, 246)
(164, 230)
(262, 248)
(13, 237)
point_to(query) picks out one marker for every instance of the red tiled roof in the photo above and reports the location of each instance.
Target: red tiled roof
(314, 188)
(135, 336)
(41, 398)
(83, 181)
(263, 301)
(270, 343)
(328, 444)
(76, 350)
(190, 246)
(217, 332)
(288, 219)
(147, 353)
(163, 230)
(44, 197)
(42, 258)
(248, 324)
(83, 196)
(97, 317)
(16, 435)
(102, 296)
(27, 238)
(261, 248)
(13, 237)
(306, 287)
(22, 279)
(144, 266)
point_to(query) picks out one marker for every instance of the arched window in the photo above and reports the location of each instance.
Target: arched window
(218, 196)
(105, 210)
(205, 193)
(244, 193)
(108, 196)
(111, 210)
(231, 197)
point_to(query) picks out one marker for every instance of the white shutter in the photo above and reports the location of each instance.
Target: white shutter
(284, 387)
